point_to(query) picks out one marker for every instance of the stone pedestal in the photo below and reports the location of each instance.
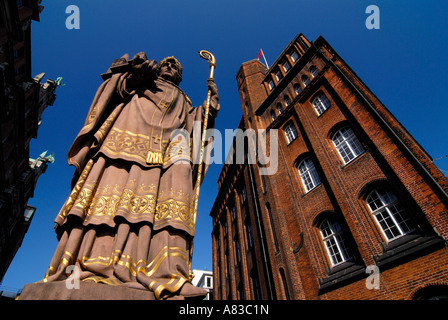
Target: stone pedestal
(87, 291)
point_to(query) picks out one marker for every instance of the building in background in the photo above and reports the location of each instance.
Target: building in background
(204, 279)
(23, 99)
(354, 208)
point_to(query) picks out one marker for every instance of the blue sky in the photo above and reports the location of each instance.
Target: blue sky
(404, 63)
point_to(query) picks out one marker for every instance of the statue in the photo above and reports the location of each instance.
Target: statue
(129, 220)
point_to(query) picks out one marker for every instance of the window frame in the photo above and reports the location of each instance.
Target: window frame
(290, 130)
(280, 108)
(339, 242)
(279, 76)
(297, 88)
(387, 224)
(350, 141)
(314, 71)
(295, 56)
(321, 103)
(305, 80)
(309, 176)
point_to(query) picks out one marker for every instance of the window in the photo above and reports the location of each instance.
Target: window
(286, 66)
(297, 88)
(308, 174)
(290, 132)
(305, 80)
(314, 71)
(390, 215)
(271, 84)
(208, 282)
(278, 75)
(347, 144)
(273, 115)
(238, 250)
(250, 238)
(287, 100)
(279, 107)
(294, 56)
(321, 103)
(334, 241)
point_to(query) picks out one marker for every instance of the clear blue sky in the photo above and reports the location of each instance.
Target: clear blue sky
(404, 64)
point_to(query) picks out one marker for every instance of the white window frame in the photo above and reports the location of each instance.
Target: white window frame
(321, 103)
(389, 214)
(314, 71)
(347, 144)
(290, 131)
(286, 66)
(334, 242)
(308, 174)
(287, 100)
(271, 84)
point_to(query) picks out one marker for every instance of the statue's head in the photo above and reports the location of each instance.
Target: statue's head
(170, 69)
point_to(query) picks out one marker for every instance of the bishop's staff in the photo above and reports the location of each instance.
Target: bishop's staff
(211, 60)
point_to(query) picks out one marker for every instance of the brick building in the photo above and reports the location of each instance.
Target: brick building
(355, 208)
(23, 99)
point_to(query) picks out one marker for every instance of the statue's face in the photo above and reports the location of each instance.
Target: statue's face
(170, 71)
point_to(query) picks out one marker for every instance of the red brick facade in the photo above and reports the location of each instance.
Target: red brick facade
(353, 190)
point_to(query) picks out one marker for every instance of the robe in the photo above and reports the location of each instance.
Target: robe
(129, 218)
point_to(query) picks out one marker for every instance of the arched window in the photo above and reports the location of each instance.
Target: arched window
(389, 214)
(314, 71)
(273, 115)
(290, 132)
(321, 103)
(305, 80)
(433, 292)
(308, 174)
(335, 242)
(287, 100)
(297, 88)
(347, 144)
(279, 107)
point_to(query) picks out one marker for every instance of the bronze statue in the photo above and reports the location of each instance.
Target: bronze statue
(129, 220)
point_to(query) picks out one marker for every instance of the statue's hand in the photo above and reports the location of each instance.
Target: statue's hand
(214, 97)
(142, 70)
(213, 88)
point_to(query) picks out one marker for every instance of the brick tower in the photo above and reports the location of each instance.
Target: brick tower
(355, 208)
